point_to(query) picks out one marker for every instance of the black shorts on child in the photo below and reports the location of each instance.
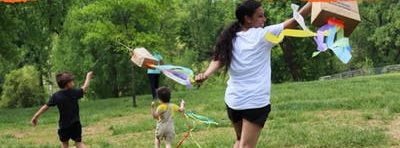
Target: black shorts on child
(73, 132)
(257, 115)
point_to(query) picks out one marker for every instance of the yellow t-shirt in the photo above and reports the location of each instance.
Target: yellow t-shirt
(162, 108)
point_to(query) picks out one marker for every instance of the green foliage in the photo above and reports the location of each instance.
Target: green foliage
(91, 36)
(90, 41)
(25, 34)
(83, 35)
(22, 88)
(367, 66)
(377, 36)
(203, 21)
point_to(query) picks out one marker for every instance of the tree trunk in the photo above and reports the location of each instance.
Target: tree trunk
(287, 48)
(41, 83)
(133, 86)
(114, 75)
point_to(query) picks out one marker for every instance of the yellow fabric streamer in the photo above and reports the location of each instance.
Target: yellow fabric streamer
(288, 32)
(292, 32)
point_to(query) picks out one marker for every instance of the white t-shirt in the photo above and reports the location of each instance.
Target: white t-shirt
(250, 70)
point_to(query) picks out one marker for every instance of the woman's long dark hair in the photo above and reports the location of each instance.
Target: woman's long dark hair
(224, 46)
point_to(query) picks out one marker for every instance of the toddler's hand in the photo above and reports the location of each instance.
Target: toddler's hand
(182, 102)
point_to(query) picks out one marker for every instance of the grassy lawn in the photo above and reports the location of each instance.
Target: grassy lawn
(357, 112)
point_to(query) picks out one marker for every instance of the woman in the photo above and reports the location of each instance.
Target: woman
(154, 75)
(243, 51)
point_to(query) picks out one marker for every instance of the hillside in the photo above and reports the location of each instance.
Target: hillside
(356, 112)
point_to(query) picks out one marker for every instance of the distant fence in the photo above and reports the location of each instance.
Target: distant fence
(363, 72)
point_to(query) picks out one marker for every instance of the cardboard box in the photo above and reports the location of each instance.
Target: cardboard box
(142, 58)
(345, 10)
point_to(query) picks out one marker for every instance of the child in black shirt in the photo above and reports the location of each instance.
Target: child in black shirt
(66, 101)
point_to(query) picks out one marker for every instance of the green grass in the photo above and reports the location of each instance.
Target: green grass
(357, 112)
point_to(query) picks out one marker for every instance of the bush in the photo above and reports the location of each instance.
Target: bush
(1, 84)
(22, 88)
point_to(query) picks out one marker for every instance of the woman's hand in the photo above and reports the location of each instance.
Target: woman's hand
(201, 77)
(214, 66)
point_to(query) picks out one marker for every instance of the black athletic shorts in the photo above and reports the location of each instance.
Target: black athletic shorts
(258, 115)
(73, 132)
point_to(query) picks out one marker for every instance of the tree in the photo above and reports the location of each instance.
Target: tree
(26, 34)
(202, 22)
(90, 41)
(21, 88)
(378, 35)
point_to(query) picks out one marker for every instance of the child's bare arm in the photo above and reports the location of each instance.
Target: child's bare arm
(182, 107)
(153, 111)
(35, 117)
(87, 81)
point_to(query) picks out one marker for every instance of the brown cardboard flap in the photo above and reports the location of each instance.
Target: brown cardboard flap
(346, 11)
(142, 58)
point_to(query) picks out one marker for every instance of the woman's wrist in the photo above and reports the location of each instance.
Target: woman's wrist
(206, 74)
